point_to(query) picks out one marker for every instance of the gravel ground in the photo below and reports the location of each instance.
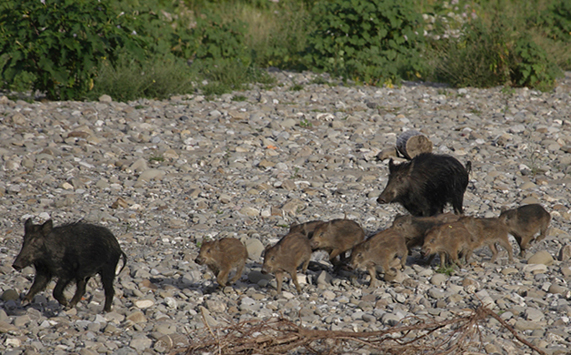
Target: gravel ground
(164, 175)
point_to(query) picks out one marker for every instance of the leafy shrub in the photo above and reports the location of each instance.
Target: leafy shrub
(55, 46)
(478, 58)
(493, 55)
(531, 67)
(368, 41)
(157, 77)
(556, 20)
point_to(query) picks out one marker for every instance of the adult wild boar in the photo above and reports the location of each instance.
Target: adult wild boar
(72, 252)
(426, 183)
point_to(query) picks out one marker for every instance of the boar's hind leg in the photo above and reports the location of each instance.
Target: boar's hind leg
(239, 271)
(107, 278)
(58, 290)
(79, 292)
(40, 282)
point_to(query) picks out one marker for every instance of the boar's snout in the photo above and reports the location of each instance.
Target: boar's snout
(18, 265)
(199, 260)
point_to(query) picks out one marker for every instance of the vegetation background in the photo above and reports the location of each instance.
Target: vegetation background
(130, 49)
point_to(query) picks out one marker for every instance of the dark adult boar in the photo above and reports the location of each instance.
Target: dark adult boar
(221, 256)
(488, 232)
(426, 183)
(337, 237)
(524, 222)
(448, 240)
(72, 252)
(382, 250)
(306, 228)
(290, 252)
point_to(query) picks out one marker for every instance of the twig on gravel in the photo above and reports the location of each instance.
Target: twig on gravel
(282, 336)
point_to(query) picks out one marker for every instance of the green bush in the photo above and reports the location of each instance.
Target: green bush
(368, 41)
(55, 46)
(493, 55)
(157, 77)
(478, 58)
(531, 67)
(556, 20)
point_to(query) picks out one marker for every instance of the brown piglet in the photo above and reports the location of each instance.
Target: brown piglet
(290, 252)
(448, 239)
(488, 232)
(381, 250)
(414, 228)
(524, 222)
(306, 228)
(337, 237)
(221, 256)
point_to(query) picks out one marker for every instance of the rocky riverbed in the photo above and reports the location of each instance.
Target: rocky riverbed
(165, 175)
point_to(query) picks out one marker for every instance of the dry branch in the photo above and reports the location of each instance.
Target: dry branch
(282, 336)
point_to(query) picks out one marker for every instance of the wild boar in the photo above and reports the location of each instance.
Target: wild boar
(221, 256)
(290, 252)
(426, 183)
(337, 237)
(306, 228)
(414, 228)
(72, 252)
(524, 222)
(488, 232)
(448, 240)
(382, 250)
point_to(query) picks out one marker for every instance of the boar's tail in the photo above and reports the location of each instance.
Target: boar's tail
(469, 167)
(124, 257)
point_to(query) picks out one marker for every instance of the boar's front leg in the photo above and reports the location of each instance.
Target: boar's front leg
(43, 276)
(79, 292)
(279, 279)
(222, 277)
(58, 290)
(373, 273)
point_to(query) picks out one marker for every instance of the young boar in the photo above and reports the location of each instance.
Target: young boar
(221, 256)
(488, 232)
(524, 222)
(337, 237)
(414, 228)
(448, 239)
(426, 183)
(306, 228)
(72, 252)
(290, 252)
(381, 250)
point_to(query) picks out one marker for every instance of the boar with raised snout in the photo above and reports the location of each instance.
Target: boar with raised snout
(337, 237)
(306, 228)
(488, 232)
(448, 240)
(426, 183)
(221, 256)
(72, 252)
(384, 250)
(290, 252)
(524, 222)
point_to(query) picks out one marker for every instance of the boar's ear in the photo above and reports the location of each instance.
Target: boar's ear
(391, 165)
(47, 227)
(28, 225)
